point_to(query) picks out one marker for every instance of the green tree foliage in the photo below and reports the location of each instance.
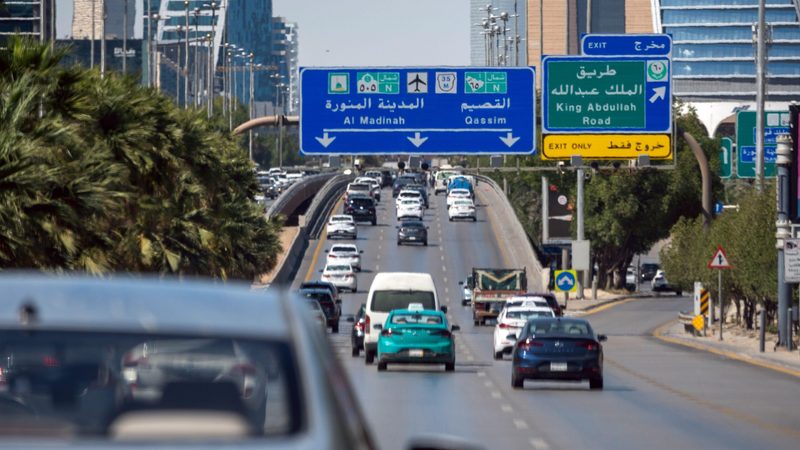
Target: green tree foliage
(748, 237)
(104, 175)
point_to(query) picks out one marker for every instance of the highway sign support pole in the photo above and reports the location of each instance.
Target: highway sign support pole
(783, 160)
(721, 303)
(582, 275)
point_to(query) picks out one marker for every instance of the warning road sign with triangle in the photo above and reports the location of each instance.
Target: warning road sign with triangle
(720, 260)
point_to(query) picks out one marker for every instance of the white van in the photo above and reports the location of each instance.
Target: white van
(395, 290)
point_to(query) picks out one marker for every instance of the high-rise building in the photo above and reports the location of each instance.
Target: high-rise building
(284, 51)
(498, 31)
(713, 45)
(32, 18)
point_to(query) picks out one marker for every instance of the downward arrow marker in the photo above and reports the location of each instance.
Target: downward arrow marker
(509, 140)
(658, 92)
(417, 140)
(325, 140)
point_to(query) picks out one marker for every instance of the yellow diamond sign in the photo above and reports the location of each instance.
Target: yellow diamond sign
(699, 322)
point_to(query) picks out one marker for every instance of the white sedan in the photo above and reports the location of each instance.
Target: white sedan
(345, 254)
(342, 225)
(458, 194)
(462, 208)
(408, 195)
(341, 275)
(375, 185)
(510, 322)
(410, 208)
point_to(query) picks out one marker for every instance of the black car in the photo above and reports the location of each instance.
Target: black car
(362, 208)
(412, 231)
(422, 191)
(557, 348)
(386, 178)
(331, 307)
(648, 271)
(320, 284)
(401, 182)
(357, 334)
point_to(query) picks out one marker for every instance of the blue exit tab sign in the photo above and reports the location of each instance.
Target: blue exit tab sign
(626, 45)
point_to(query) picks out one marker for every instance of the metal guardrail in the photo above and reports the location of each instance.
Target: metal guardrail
(288, 196)
(323, 202)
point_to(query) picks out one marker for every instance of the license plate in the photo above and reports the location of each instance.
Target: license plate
(416, 353)
(558, 367)
(412, 238)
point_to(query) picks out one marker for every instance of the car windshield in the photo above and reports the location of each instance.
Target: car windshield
(559, 328)
(338, 268)
(385, 301)
(409, 203)
(463, 203)
(422, 319)
(359, 187)
(413, 225)
(341, 219)
(525, 315)
(361, 201)
(80, 384)
(343, 249)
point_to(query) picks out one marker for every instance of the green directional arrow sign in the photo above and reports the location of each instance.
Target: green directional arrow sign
(725, 158)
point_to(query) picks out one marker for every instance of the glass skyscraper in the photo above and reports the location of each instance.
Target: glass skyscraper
(515, 52)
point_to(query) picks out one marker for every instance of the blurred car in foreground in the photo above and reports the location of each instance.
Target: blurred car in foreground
(557, 349)
(416, 336)
(76, 350)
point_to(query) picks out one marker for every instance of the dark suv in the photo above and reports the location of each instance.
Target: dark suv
(386, 178)
(362, 208)
(649, 271)
(412, 231)
(332, 308)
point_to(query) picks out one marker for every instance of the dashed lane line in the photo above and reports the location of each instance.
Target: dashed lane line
(496, 394)
(539, 444)
(506, 408)
(520, 424)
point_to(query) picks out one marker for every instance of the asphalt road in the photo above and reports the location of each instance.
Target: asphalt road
(656, 395)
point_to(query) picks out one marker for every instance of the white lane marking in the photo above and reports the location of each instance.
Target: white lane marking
(442, 257)
(381, 237)
(488, 383)
(470, 358)
(445, 279)
(496, 394)
(481, 373)
(377, 268)
(538, 443)
(444, 269)
(445, 289)
(506, 408)
(520, 424)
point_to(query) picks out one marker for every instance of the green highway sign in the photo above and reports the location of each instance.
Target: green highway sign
(485, 83)
(775, 123)
(378, 82)
(725, 158)
(597, 94)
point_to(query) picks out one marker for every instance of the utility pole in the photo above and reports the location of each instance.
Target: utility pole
(178, 68)
(761, 56)
(252, 104)
(209, 74)
(212, 57)
(186, 56)
(125, 39)
(103, 45)
(91, 46)
(196, 84)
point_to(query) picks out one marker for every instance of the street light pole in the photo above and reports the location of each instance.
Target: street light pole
(103, 45)
(196, 84)
(761, 57)
(210, 84)
(91, 47)
(178, 68)
(125, 38)
(252, 103)
(154, 56)
(783, 150)
(186, 57)
(212, 56)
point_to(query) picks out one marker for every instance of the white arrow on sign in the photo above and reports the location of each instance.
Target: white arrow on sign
(509, 140)
(417, 140)
(658, 93)
(325, 140)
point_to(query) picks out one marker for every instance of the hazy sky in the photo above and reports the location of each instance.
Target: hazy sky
(380, 32)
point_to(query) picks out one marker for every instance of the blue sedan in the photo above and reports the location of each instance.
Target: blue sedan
(557, 349)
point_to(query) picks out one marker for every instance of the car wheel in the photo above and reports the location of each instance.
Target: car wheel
(355, 290)
(335, 327)
(356, 351)
(449, 367)
(463, 302)
(474, 219)
(381, 366)
(498, 355)
(374, 222)
(369, 357)
(399, 243)
(450, 219)
(596, 383)
(679, 293)
(425, 243)
(476, 322)
(516, 382)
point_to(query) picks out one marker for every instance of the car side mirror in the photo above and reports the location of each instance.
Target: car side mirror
(361, 252)
(602, 337)
(350, 319)
(512, 337)
(443, 309)
(427, 228)
(377, 327)
(321, 270)
(455, 328)
(460, 283)
(326, 251)
(338, 302)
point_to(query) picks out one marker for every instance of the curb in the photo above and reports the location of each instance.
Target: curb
(606, 305)
(658, 333)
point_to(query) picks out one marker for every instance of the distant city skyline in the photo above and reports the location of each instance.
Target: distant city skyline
(380, 32)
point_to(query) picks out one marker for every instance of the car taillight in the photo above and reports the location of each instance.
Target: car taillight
(359, 326)
(391, 332)
(529, 344)
(445, 333)
(348, 275)
(503, 325)
(367, 324)
(589, 345)
(50, 361)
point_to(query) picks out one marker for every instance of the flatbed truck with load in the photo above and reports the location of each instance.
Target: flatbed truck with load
(491, 288)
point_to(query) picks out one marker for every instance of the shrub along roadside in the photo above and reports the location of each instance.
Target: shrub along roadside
(104, 175)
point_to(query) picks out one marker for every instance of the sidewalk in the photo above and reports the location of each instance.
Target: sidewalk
(737, 344)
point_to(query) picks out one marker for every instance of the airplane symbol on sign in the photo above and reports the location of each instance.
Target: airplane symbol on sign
(416, 82)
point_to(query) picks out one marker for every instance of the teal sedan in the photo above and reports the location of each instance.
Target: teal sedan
(416, 336)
